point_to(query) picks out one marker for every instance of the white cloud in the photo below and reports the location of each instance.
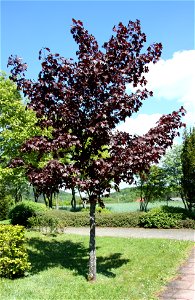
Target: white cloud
(174, 80)
(139, 125)
(170, 80)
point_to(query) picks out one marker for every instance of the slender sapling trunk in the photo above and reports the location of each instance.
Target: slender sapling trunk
(92, 247)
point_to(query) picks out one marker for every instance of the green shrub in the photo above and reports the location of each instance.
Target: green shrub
(56, 219)
(13, 255)
(130, 219)
(166, 217)
(162, 217)
(81, 219)
(5, 206)
(24, 210)
(44, 221)
(188, 223)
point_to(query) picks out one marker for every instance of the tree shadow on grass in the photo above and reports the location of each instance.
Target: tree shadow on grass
(69, 255)
(105, 265)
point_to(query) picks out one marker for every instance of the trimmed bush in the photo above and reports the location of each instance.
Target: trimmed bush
(167, 217)
(13, 255)
(81, 219)
(5, 206)
(22, 211)
(163, 217)
(44, 221)
(118, 219)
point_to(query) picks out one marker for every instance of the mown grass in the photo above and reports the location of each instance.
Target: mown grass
(135, 206)
(131, 206)
(127, 268)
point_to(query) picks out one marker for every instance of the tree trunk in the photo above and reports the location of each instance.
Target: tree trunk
(35, 194)
(73, 201)
(50, 198)
(45, 199)
(56, 198)
(92, 248)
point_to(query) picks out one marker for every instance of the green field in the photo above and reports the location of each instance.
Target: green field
(127, 268)
(131, 206)
(134, 206)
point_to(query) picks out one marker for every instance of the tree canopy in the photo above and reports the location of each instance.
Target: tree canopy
(171, 164)
(152, 185)
(17, 124)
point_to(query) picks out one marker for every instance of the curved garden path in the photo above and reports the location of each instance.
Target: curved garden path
(177, 234)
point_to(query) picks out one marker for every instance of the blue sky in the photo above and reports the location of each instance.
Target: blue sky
(27, 26)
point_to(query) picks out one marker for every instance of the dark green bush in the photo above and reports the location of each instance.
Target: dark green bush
(179, 210)
(24, 210)
(188, 223)
(167, 217)
(5, 206)
(13, 255)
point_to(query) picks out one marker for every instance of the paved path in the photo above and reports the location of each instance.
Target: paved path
(176, 234)
(182, 287)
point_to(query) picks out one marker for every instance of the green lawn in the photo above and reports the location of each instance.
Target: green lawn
(135, 206)
(126, 268)
(131, 206)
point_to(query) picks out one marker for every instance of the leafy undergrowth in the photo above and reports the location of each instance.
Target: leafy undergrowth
(134, 269)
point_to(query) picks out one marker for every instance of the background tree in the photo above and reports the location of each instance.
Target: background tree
(188, 169)
(171, 164)
(83, 101)
(17, 124)
(152, 186)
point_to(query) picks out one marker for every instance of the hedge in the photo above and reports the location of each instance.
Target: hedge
(162, 217)
(59, 219)
(13, 255)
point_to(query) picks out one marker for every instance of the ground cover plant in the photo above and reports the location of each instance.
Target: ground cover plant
(131, 269)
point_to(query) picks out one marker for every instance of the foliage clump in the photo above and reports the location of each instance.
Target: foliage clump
(22, 211)
(167, 217)
(13, 255)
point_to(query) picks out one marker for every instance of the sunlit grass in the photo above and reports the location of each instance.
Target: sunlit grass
(131, 206)
(127, 268)
(135, 206)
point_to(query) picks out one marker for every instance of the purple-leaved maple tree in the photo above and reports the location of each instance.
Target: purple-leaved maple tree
(83, 101)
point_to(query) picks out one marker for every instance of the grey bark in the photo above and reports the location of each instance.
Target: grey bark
(92, 246)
